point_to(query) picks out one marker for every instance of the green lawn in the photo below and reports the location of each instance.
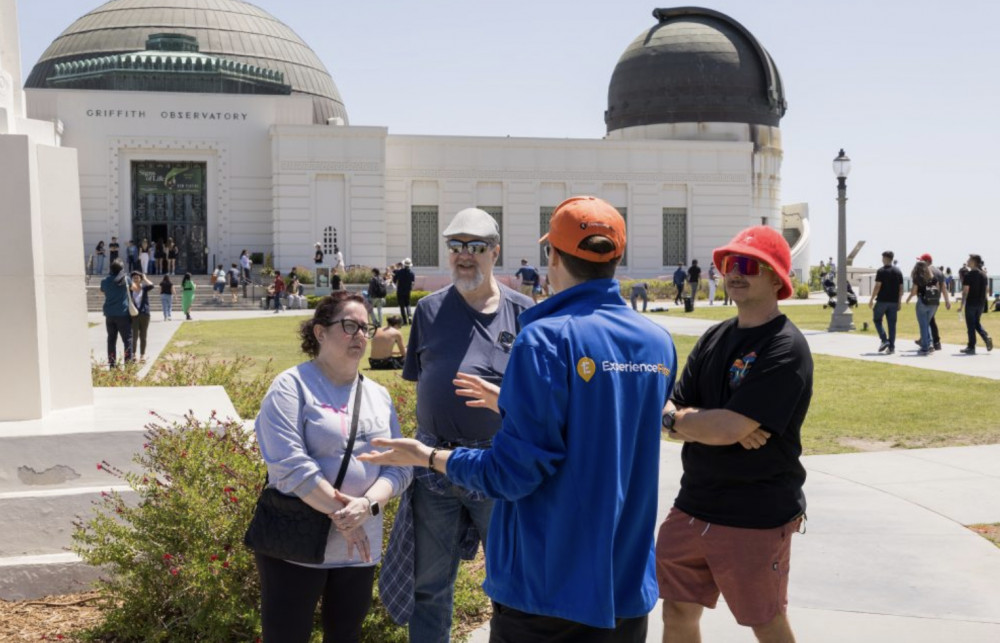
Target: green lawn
(951, 324)
(857, 405)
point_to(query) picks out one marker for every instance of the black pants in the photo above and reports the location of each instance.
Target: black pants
(509, 625)
(935, 335)
(120, 325)
(403, 297)
(289, 593)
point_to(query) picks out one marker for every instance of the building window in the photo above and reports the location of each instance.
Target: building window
(624, 260)
(544, 216)
(674, 236)
(496, 212)
(424, 235)
(330, 240)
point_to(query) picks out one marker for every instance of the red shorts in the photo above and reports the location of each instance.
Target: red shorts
(696, 560)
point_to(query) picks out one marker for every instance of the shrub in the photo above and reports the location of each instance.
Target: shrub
(305, 275)
(178, 570)
(357, 275)
(415, 295)
(802, 291)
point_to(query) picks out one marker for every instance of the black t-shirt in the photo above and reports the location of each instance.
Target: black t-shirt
(976, 281)
(891, 279)
(694, 274)
(403, 278)
(764, 373)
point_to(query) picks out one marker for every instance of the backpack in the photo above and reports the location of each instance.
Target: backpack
(378, 289)
(932, 294)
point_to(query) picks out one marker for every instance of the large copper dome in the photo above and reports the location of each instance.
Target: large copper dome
(229, 29)
(694, 65)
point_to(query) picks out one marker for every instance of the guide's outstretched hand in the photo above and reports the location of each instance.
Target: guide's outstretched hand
(484, 394)
(403, 452)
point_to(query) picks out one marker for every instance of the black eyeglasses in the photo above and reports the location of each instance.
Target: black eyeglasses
(352, 327)
(475, 247)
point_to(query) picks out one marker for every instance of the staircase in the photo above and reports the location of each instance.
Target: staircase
(204, 298)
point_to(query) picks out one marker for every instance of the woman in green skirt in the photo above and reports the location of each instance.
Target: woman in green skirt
(187, 295)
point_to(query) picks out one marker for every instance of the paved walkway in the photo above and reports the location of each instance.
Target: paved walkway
(886, 556)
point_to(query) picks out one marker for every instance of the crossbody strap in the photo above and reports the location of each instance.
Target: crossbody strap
(354, 433)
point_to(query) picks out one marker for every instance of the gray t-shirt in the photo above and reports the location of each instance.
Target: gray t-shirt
(448, 336)
(303, 428)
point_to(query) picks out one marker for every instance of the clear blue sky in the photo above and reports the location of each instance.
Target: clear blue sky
(908, 88)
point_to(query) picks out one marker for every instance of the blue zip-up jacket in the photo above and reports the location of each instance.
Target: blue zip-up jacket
(575, 465)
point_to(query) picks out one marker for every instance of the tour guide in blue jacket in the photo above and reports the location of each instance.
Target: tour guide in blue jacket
(575, 465)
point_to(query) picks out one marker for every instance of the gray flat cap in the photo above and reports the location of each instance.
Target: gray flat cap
(474, 223)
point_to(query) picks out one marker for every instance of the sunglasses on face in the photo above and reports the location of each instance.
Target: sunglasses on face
(352, 328)
(474, 247)
(747, 266)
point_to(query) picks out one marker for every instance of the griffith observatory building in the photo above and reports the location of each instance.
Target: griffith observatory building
(211, 122)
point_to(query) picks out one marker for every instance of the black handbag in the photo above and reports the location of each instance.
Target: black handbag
(284, 526)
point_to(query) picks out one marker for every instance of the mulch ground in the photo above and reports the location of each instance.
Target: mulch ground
(53, 618)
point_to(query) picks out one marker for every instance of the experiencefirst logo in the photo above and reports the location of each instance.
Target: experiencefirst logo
(586, 368)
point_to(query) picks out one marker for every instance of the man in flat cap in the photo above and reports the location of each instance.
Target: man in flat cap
(467, 327)
(574, 467)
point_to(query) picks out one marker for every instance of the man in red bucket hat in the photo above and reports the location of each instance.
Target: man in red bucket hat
(739, 407)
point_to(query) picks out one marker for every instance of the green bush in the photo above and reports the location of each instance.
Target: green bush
(257, 258)
(177, 568)
(357, 275)
(415, 296)
(305, 275)
(802, 291)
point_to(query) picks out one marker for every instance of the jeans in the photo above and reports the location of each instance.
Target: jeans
(99, 268)
(925, 314)
(890, 310)
(635, 297)
(119, 325)
(168, 305)
(377, 303)
(973, 315)
(436, 528)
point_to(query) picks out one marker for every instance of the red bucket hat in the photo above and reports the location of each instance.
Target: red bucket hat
(767, 245)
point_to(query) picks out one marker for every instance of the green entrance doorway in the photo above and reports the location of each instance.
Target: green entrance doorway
(169, 202)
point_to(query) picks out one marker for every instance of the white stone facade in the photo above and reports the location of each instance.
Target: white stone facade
(275, 182)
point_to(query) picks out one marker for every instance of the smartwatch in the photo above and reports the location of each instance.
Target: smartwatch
(669, 419)
(373, 507)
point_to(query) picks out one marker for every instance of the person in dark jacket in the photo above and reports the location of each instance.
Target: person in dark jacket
(117, 320)
(404, 278)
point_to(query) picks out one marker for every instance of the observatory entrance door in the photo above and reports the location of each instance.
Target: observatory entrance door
(168, 202)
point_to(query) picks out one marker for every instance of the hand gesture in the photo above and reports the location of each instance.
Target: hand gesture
(755, 440)
(484, 394)
(357, 540)
(354, 514)
(402, 452)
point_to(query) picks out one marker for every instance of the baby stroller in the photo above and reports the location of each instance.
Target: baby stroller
(830, 287)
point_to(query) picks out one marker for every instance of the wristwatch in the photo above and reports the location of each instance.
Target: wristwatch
(669, 419)
(373, 507)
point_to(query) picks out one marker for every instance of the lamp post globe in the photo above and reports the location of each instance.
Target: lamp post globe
(842, 319)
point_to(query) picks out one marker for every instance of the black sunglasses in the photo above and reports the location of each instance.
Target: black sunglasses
(352, 327)
(475, 247)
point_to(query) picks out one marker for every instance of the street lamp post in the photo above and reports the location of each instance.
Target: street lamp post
(842, 318)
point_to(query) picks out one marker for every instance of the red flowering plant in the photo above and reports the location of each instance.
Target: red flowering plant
(172, 547)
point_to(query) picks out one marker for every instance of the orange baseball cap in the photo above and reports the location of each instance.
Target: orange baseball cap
(580, 217)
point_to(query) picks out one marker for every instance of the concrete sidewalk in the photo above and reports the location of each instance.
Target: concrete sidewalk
(885, 556)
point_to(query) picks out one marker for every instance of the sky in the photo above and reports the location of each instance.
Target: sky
(909, 89)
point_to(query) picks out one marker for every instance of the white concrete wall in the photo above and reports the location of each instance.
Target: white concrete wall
(712, 179)
(328, 176)
(112, 129)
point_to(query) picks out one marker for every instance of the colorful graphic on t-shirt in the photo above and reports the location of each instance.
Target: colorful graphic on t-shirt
(738, 371)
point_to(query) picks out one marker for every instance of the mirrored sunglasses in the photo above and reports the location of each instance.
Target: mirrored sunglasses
(475, 247)
(352, 327)
(747, 266)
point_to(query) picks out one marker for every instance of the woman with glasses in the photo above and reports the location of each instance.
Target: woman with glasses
(303, 430)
